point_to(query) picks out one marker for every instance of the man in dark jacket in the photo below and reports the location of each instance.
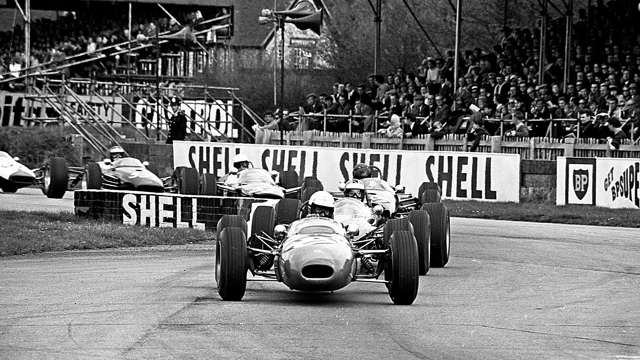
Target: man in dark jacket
(177, 123)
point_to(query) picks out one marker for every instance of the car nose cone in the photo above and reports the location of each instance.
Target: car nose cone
(317, 263)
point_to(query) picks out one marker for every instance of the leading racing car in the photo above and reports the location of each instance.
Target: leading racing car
(316, 252)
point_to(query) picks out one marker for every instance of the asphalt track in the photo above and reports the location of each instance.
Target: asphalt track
(512, 290)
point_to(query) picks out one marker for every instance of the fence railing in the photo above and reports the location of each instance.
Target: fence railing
(528, 148)
(302, 122)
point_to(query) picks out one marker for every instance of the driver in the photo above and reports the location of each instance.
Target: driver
(116, 153)
(240, 163)
(355, 189)
(321, 204)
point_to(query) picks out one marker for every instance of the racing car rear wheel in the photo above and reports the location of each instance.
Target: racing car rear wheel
(208, 184)
(264, 221)
(187, 180)
(440, 236)
(310, 185)
(392, 225)
(231, 269)
(230, 221)
(289, 179)
(401, 269)
(56, 178)
(429, 192)
(287, 211)
(94, 176)
(422, 231)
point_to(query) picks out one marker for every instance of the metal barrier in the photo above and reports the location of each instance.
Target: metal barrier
(528, 148)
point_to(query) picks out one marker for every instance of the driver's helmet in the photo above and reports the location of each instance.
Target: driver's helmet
(116, 152)
(321, 204)
(240, 162)
(361, 171)
(354, 189)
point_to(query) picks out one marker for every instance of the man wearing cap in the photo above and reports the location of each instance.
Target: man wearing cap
(177, 123)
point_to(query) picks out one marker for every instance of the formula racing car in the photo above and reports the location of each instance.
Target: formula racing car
(317, 252)
(52, 177)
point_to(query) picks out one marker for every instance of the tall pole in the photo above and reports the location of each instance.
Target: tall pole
(282, 25)
(158, 98)
(543, 41)
(567, 44)
(129, 44)
(456, 58)
(378, 21)
(275, 59)
(27, 40)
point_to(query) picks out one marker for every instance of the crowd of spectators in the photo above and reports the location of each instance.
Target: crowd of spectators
(88, 30)
(601, 97)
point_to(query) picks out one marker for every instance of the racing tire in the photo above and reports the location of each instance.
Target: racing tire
(9, 188)
(429, 192)
(208, 185)
(440, 234)
(264, 220)
(288, 179)
(187, 180)
(401, 270)
(58, 173)
(231, 266)
(227, 221)
(422, 231)
(287, 211)
(310, 185)
(393, 225)
(93, 176)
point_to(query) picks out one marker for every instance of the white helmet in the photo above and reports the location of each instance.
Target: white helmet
(321, 203)
(116, 152)
(354, 189)
(239, 159)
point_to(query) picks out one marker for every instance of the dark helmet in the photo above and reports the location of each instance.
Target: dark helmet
(361, 171)
(175, 101)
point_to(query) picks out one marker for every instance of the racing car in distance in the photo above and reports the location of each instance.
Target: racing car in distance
(52, 177)
(316, 253)
(426, 213)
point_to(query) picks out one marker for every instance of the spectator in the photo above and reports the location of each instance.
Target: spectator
(413, 126)
(616, 133)
(395, 128)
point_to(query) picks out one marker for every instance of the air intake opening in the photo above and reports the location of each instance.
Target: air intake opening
(317, 271)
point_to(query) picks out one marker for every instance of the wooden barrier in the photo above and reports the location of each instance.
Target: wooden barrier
(528, 148)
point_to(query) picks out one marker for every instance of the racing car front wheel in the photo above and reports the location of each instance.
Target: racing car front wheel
(287, 211)
(289, 179)
(422, 231)
(94, 176)
(440, 235)
(208, 184)
(393, 225)
(310, 185)
(231, 221)
(56, 178)
(231, 269)
(401, 270)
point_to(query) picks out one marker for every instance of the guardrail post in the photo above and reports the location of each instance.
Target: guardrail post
(532, 149)
(569, 146)
(366, 141)
(430, 144)
(307, 137)
(496, 144)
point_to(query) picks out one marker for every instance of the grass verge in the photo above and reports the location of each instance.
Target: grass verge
(33, 232)
(545, 212)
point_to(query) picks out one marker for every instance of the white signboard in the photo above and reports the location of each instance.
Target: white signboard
(211, 117)
(463, 176)
(613, 183)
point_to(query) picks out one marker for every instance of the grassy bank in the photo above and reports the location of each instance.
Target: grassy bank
(33, 232)
(545, 212)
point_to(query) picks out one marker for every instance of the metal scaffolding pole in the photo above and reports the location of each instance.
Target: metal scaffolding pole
(27, 40)
(378, 21)
(456, 59)
(567, 45)
(543, 41)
